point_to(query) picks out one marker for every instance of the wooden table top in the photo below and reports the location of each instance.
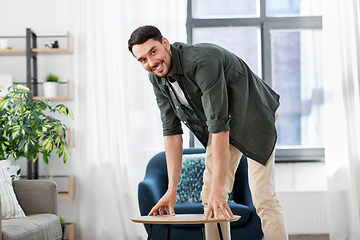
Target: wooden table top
(180, 219)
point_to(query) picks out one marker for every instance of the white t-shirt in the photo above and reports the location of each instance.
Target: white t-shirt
(179, 93)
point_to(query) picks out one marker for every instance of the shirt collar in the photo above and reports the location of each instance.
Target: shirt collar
(175, 52)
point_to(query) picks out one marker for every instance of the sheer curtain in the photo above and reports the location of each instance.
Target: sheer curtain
(119, 127)
(341, 27)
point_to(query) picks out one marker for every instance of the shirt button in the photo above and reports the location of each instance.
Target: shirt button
(177, 107)
(184, 122)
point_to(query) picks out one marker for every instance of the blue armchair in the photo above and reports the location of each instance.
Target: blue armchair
(154, 185)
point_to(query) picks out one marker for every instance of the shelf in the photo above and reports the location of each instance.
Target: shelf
(39, 51)
(16, 52)
(9, 52)
(52, 98)
(68, 97)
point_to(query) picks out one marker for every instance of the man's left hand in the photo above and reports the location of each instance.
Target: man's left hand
(217, 201)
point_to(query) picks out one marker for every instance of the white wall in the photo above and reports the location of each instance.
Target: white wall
(309, 176)
(44, 17)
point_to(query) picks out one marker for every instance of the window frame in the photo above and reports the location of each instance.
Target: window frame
(266, 24)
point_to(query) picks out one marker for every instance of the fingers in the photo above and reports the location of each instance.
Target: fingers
(159, 210)
(225, 212)
(170, 210)
(153, 211)
(222, 210)
(207, 213)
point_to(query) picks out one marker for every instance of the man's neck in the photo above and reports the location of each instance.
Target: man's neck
(171, 79)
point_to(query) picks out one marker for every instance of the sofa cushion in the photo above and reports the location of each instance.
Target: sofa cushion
(44, 226)
(10, 207)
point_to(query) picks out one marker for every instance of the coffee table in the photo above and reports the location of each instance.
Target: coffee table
(181, 219)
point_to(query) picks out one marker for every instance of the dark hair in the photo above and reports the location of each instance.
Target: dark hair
(142, 34)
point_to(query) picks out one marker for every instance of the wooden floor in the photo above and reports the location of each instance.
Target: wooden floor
(309, 237)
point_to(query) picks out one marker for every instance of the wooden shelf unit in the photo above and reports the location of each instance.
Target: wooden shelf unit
(71, 188)
(67, 50)
(68, 97)
(72, 231)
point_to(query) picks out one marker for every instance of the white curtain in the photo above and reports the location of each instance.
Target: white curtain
(341, 26)
(119, 127)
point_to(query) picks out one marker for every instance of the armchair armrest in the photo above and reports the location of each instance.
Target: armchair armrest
(36, 196)
(150, 190)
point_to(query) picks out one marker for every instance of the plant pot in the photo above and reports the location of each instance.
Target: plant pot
(63, 231)
(50, 89)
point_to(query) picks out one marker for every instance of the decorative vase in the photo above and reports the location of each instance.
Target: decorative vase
(50, 89)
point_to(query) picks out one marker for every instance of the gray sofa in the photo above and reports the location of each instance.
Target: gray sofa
(38, 199)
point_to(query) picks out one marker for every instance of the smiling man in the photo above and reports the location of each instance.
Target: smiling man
(228, 108)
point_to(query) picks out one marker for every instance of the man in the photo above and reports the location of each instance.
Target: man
(228, 108)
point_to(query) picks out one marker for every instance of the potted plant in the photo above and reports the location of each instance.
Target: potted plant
(26, 129)
(51, 85)
(63, 224)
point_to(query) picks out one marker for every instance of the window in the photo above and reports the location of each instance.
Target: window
(281, 42)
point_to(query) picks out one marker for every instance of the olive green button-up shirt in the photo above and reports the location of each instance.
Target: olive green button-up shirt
(224, 94)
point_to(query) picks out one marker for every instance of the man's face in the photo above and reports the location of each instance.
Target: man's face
(155, 57)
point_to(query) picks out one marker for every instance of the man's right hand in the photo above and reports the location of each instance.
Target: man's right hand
(167, 202)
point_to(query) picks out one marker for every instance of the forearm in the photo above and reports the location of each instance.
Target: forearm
(173, 151)
(220, 156)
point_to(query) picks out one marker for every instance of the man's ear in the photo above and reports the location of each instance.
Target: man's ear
(166, 44)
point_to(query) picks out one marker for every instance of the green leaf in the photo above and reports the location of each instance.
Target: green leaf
(46, 160)
(65, 156)
(71, 114)
(22, 87)
(22, 143)
(26, 148)
(58, 129)
(15, 134)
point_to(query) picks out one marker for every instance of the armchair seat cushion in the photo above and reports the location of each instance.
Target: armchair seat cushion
(241, 210)
(34, 227)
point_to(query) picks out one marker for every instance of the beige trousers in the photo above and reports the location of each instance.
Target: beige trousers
(262, 186)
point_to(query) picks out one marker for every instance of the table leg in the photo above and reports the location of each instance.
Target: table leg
(150, 232)
(220, 232)
(169, 232)
(202, 231)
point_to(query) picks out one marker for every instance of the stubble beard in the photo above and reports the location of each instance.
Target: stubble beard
(163, 62)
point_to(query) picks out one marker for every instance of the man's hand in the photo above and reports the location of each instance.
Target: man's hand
(167, 202)
(217, 201)
(220, 163)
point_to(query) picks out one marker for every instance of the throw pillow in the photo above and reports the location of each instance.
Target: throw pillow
(10, 207)
(191, 179)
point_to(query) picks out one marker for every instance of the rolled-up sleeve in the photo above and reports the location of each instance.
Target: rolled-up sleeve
(210, 78)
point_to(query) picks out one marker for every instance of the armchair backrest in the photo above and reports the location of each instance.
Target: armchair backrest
(156, 169)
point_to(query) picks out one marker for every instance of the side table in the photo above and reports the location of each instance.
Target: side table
(181, 219)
